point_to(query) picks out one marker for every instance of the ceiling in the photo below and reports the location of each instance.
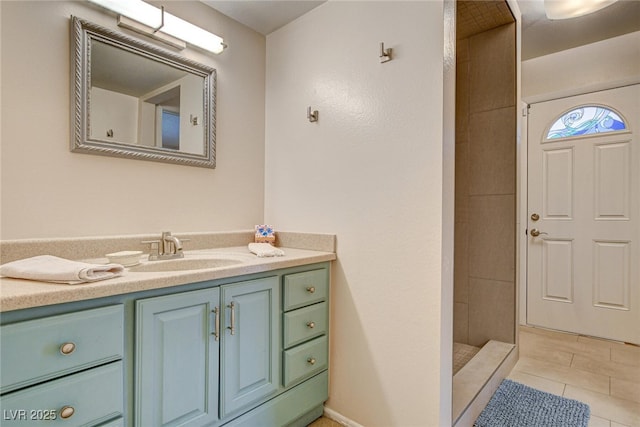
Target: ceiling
(120, 70)
(540, 36)
(264, 16)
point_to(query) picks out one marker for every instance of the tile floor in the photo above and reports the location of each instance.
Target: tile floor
(603, 374)
(325, 422)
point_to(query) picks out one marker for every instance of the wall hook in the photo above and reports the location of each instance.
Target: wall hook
(385, 54)
(312, 115)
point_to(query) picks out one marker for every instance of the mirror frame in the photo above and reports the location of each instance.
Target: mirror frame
(83, 32)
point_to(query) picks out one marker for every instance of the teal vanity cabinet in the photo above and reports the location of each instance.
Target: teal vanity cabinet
(184, 340)
(64, 370)
(306, 323)
(304, 352)
(241, 351)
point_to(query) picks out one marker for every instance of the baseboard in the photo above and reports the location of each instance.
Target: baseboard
(339, 418)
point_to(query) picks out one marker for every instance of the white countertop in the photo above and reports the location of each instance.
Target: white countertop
(18, 294)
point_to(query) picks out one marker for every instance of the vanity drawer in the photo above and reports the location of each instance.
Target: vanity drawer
(34, 351)
(305, 288)
(86, 398)
(305, 360)
(305, 323)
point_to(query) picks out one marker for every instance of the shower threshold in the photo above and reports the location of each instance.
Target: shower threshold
(478, 379)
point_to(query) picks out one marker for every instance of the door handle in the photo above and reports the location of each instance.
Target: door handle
(216, 333)
(535, 232)
(232, 327)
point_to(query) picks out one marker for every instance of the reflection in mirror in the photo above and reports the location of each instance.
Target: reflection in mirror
(135, 100)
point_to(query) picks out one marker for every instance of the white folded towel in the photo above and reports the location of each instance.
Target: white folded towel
(48, 268)
(265, 250)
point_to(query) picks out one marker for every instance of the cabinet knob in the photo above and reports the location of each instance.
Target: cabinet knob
(311, 325)
(311, 361)
(67, 412)
(311, 289)
(67, 348)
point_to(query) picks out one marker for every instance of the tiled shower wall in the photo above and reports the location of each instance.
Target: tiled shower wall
(485, 200)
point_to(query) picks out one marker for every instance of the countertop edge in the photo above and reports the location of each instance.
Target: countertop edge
(18, 294)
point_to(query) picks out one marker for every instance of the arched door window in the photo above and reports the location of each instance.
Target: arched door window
(586, 120)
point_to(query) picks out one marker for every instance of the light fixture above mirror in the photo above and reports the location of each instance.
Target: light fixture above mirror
(151, 21)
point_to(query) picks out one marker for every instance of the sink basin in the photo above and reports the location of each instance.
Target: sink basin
(183, 264)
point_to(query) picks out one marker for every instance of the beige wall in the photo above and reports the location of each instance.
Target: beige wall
(602, 65)
(371, 170)
(485, 217)
(47, 191)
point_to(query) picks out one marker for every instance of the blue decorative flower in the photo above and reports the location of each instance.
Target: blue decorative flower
(264, 230)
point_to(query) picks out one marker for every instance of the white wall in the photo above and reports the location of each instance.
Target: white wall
(191, 101)
(47, 191)
(114, 111)
(371, 171)
(602, 65)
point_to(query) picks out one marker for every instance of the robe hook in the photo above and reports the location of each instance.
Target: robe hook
(312, 115)
(385, 54)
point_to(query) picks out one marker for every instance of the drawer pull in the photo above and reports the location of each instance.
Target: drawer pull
(67, 412)
(311, 325)
(311, 289)
(311, 361)
(67, 348)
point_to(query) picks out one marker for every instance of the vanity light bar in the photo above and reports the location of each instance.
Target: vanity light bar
(138, 27)
(160, 21)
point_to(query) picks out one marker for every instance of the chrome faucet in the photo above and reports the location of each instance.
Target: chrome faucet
(172, 245)
(168, 247)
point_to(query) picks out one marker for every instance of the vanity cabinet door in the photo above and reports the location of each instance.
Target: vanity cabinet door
(250, 357)
(177, 357)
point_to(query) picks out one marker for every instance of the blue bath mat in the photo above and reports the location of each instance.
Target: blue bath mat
(515, 404)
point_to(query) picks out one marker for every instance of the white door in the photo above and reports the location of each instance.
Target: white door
(583, 268)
